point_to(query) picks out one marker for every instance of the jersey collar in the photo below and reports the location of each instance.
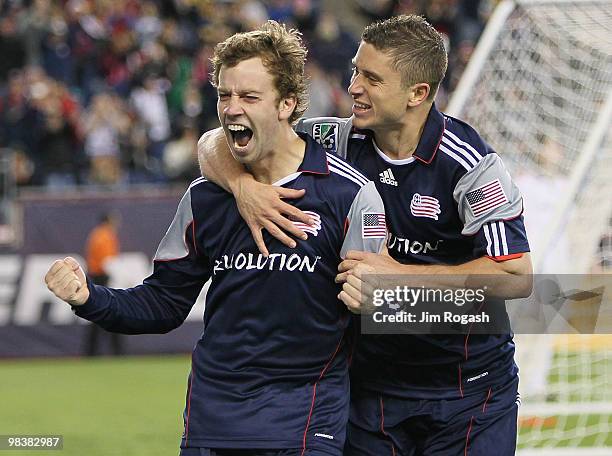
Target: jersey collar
(315, 158)
(431, 137)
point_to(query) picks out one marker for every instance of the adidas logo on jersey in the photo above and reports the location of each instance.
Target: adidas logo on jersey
(387, 177)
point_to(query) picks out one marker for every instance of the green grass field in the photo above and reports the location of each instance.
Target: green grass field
(132, 406)
(104, 406)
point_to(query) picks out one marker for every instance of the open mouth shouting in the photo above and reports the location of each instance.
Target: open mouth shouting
(241, 135)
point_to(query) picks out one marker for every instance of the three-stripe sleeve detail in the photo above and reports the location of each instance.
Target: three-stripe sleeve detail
(459, 150)
(495, 234)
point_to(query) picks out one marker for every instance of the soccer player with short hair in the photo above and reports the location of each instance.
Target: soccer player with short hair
(452, 210)
(269, 375)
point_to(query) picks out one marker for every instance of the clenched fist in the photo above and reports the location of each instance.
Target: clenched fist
(67, 281)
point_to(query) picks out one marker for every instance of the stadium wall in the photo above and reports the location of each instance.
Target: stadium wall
(33, 322)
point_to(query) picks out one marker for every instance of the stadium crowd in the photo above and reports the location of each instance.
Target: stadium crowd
(116, 93)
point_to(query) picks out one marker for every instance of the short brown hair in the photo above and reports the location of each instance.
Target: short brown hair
(418, 49)
(282, 53)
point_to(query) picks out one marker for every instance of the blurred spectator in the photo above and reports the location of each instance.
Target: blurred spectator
(333, 48)
(192, 101)
(306, 13)
(104, 123)
(57, 57)
(33, 26)
(328, 96)
(151, 58)
(56, 145)
(86, 38)
(15, 112)
(181, 155)
(321, 92)
(55, 150)
(149, 101)
(179, 73)
(117, 57)
(12, 48)
(148, 26)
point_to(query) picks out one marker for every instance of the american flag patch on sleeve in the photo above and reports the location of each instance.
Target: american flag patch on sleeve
(373, 225)
(486, 198)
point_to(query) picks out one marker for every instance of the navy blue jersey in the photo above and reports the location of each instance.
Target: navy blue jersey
(270, 370)
(451, 202)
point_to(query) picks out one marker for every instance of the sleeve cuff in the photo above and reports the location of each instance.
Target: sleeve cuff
(92, 306)
(502, 258)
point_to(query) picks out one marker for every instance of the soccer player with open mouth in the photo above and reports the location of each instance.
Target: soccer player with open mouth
(269, 376)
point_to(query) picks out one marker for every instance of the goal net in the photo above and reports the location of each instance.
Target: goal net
(539, 89)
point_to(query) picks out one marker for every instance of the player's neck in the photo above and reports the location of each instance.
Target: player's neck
(284, 158)
(400, 141)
